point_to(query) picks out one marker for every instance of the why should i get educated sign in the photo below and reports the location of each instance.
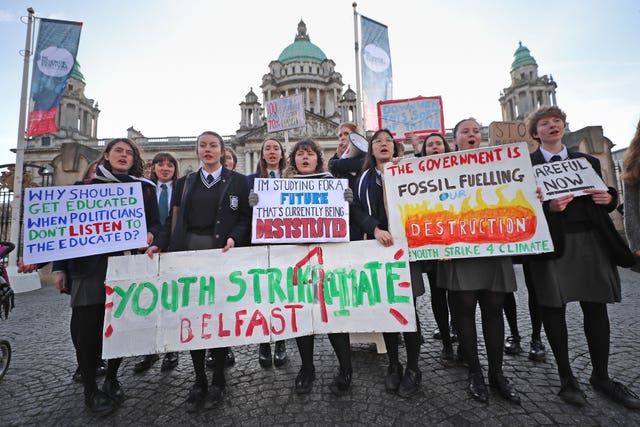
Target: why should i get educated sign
(80, 220)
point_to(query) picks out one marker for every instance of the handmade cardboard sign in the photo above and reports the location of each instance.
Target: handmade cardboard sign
(571, 176)
(79, 220)
(421, 115)
(300, 211)
(203, 299)
(285, 113)
(471, 203)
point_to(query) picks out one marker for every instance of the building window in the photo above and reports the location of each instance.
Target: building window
(46, 141)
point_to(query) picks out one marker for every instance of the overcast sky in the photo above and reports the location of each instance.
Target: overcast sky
(176, 68)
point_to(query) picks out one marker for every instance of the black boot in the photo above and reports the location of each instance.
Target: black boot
(280, 354)
(264, 355)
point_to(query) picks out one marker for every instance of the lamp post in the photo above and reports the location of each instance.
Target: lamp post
(21, 282)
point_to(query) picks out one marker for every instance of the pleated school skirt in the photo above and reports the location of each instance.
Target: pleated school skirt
(493, 274)
(585, 272)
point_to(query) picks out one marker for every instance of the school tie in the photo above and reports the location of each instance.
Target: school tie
(272, 174)
(555, 158)
(209, 179)
(163, 203)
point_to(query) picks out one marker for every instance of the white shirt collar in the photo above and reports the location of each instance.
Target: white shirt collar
(216, 173)
(564, 154)
(168, 184)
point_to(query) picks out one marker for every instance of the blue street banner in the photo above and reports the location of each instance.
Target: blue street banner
(55, 57)
(377, 79)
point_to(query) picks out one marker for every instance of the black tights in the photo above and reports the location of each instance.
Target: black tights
(440, 307)
(198, 359)
(87, 324)
(596, 330)
(411, 343)
(534, 309)
(464, 307)
(340, 343)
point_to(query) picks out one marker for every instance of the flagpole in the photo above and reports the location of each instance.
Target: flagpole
(16, 204)
(359, 112)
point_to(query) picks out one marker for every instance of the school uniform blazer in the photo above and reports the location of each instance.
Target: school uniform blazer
(597, 214)
(233, 212)
(367, 207)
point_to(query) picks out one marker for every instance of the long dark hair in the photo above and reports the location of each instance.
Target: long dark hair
(159, 158)
(262, 166)
(423, 151)
(137, 169)
(370, 161)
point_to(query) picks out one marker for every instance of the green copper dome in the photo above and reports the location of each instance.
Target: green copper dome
(302, 49)
(76, 73)
(522, 57)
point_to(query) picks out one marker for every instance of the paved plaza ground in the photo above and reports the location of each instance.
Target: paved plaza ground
(38, 389)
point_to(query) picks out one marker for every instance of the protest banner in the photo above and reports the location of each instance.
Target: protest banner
(421, 115)
(204, 299)
(79, 220)
(501, 133)
(285, 113)
(471, 203)
(300, 211)
(571, 176)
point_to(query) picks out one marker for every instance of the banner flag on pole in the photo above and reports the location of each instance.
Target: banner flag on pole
(55, 57)
(377, 79)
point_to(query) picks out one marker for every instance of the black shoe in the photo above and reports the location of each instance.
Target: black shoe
(264, 355)
(113, 389)
(505, 388)
(280, 354)
(230, 358)
(169, 361)
(437, 335)
(216, 393)
(101, 368)
(209, 360)
(77, 375)
(477, 387)
(512, 346)
(99, 403)
(410, 383)
(145, 362)
(571, 393)
(616, 391)
(304, 381)
(196, 397)
(446, 355)
(537, 353)
(393, 378)
(342, 382)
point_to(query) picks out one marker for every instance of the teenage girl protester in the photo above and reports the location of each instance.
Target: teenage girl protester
(583, 267)
(435, 143)
(212, 213)
(272, 165)
(121, 162)
(306, 162)
(479, 281)
(370, 214)
(164, 173)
